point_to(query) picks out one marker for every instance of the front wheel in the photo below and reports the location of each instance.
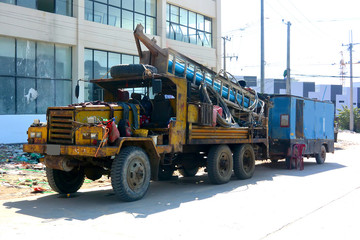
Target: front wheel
(130, 174)
(219, 164)
(320, 157)
(244, 161)
(65, 182)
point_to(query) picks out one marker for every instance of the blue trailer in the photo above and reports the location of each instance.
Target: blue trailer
(297, 120)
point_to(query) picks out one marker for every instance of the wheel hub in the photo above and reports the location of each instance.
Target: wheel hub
(224, 164)
(136, 174)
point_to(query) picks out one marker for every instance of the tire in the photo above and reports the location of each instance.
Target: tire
(244, 161)
(130, 174)
(130, 70)
(188, 172)
(189, 164)
(65, 182)
(320, 157)
(219, 164)
(165, 172)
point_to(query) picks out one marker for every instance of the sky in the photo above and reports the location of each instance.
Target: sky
(319, 28)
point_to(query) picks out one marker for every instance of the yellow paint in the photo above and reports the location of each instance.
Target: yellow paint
(193, 113)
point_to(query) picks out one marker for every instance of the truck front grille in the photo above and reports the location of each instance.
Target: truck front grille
(60, 127)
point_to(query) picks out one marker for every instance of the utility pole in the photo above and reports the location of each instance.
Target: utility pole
(350, 45)
(262, 61)
(288, 81)
(225, 39)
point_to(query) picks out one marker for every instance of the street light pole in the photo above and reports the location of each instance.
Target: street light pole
(288, 81)
(262, 61)
(225, 39)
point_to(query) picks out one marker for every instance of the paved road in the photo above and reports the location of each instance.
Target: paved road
(321, 202)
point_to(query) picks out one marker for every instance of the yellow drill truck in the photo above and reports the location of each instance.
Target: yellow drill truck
(186, 117)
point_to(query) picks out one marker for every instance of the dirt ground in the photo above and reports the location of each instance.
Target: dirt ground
(22, 175)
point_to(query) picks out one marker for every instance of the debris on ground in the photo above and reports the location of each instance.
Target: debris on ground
(22, 174)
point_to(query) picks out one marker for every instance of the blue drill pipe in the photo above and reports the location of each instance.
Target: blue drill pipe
(179, 70)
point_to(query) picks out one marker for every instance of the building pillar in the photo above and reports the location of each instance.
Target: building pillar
(161, 22)
(78, 52)
(217, 35)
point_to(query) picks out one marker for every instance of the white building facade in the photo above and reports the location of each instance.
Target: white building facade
(47, 45)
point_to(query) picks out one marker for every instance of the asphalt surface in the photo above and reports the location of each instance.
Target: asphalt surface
(320, 202)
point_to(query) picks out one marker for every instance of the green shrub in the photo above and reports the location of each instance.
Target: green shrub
(344, 118)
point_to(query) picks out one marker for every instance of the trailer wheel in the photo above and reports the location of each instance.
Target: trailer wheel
(244, 161)
(320, 157)
(130, 174)
(65, 182)
(219, 164)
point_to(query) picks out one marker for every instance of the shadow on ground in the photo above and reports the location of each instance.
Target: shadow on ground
(162, 196)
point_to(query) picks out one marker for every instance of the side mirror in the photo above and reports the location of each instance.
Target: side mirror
(77, 90)
(156, 86)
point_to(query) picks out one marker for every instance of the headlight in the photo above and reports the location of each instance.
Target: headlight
(35, 134)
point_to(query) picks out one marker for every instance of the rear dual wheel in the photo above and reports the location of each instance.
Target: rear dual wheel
(244, 161)
(219, 164)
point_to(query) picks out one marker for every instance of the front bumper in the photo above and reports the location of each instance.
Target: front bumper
(72, 150)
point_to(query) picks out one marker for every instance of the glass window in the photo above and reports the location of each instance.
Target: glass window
(46, 93)
(208, 27)
(100, 64)
(136, 60)
(187, 26)
(114, 59)
(200, 22)
(100, 13)
(7, 95)
(150, 25)
(127, 20)
(127, 59)
(63, 95)
(151, 7)
(116, 3)
(140, 6)
(128, 4)
(26, 95)
(89, 10)
(32, 89)
(88, 58)
(45, 60)
(88, 74)
(64, 7)
(7, 56)
(139, 18)
(123, 13)
(192, 35)
(27, 3)
(114, 16)
(167, 12)
(183, 17)
(174, 14)
(63, 65)
(25, 61)
(192, 19)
